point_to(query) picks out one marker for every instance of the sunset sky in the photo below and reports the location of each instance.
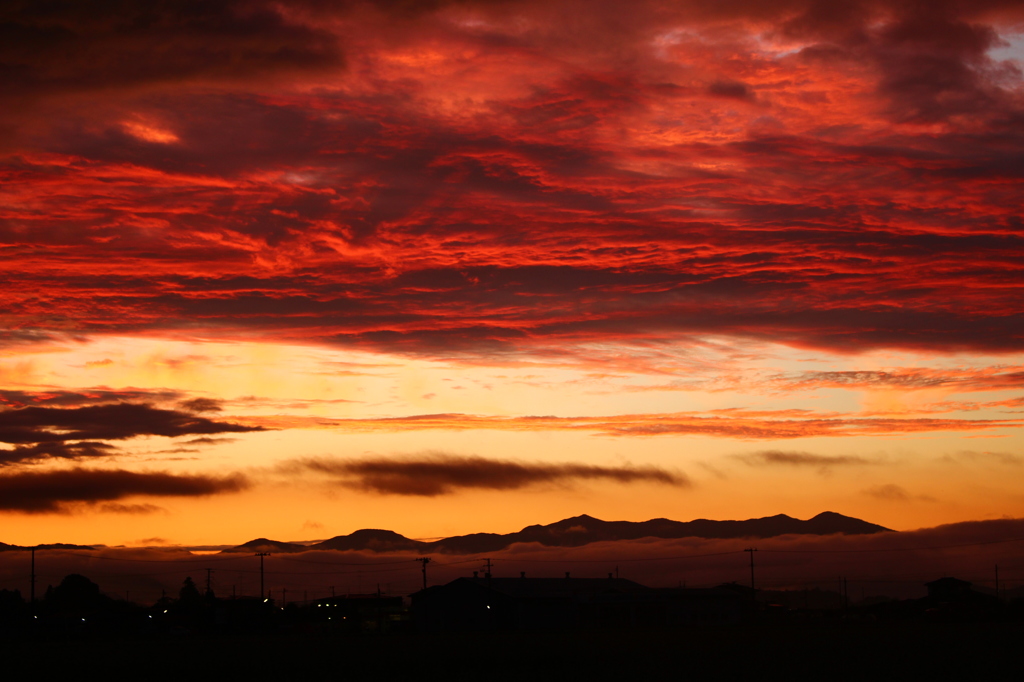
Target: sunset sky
(292, 269)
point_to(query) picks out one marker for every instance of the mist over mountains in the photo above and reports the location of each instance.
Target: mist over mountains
(895, 564)
(577, 531)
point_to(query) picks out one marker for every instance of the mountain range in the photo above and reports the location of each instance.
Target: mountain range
(575, 532)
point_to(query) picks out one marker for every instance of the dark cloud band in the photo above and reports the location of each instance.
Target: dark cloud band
(108, 422)
(446, 474)
(51, 491)
(58, 450)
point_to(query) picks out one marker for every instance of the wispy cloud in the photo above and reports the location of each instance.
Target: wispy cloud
(132, 509)
(962, 379)
(753, 425)
(889, 492)
(791, 458)
(206, 440)
(986, 457)
(64, 398)
(201, 405)
(58, 450)
(803, 458)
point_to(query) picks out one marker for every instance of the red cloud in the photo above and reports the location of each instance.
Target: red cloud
(469, 177)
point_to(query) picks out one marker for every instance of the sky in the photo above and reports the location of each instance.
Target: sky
(289, 270)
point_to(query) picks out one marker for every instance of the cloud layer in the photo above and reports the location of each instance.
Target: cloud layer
(496, 177)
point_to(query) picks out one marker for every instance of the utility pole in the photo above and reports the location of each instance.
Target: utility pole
(209, 589)
(752, 550)
(261, 555)
(424, 560)
(32, 592)
(997, 581)
(487, 572)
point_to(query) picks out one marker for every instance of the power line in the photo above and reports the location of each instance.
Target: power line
(343, 563)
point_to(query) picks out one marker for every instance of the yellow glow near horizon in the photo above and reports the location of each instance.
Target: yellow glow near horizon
(902, 480)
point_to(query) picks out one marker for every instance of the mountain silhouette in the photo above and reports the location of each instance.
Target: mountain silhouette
(265, 545)
(4, 547)
(578, 531)
(372, 539)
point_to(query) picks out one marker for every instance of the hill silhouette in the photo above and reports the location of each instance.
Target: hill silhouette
(265, 545)
(4, 547)
(578, 531)
(372, 539)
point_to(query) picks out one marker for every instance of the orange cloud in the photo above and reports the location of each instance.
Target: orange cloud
(733, 426)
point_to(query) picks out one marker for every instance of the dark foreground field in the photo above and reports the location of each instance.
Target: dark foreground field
(854, 651)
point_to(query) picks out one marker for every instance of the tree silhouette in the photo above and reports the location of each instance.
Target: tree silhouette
(189, 593)
(75, 592)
